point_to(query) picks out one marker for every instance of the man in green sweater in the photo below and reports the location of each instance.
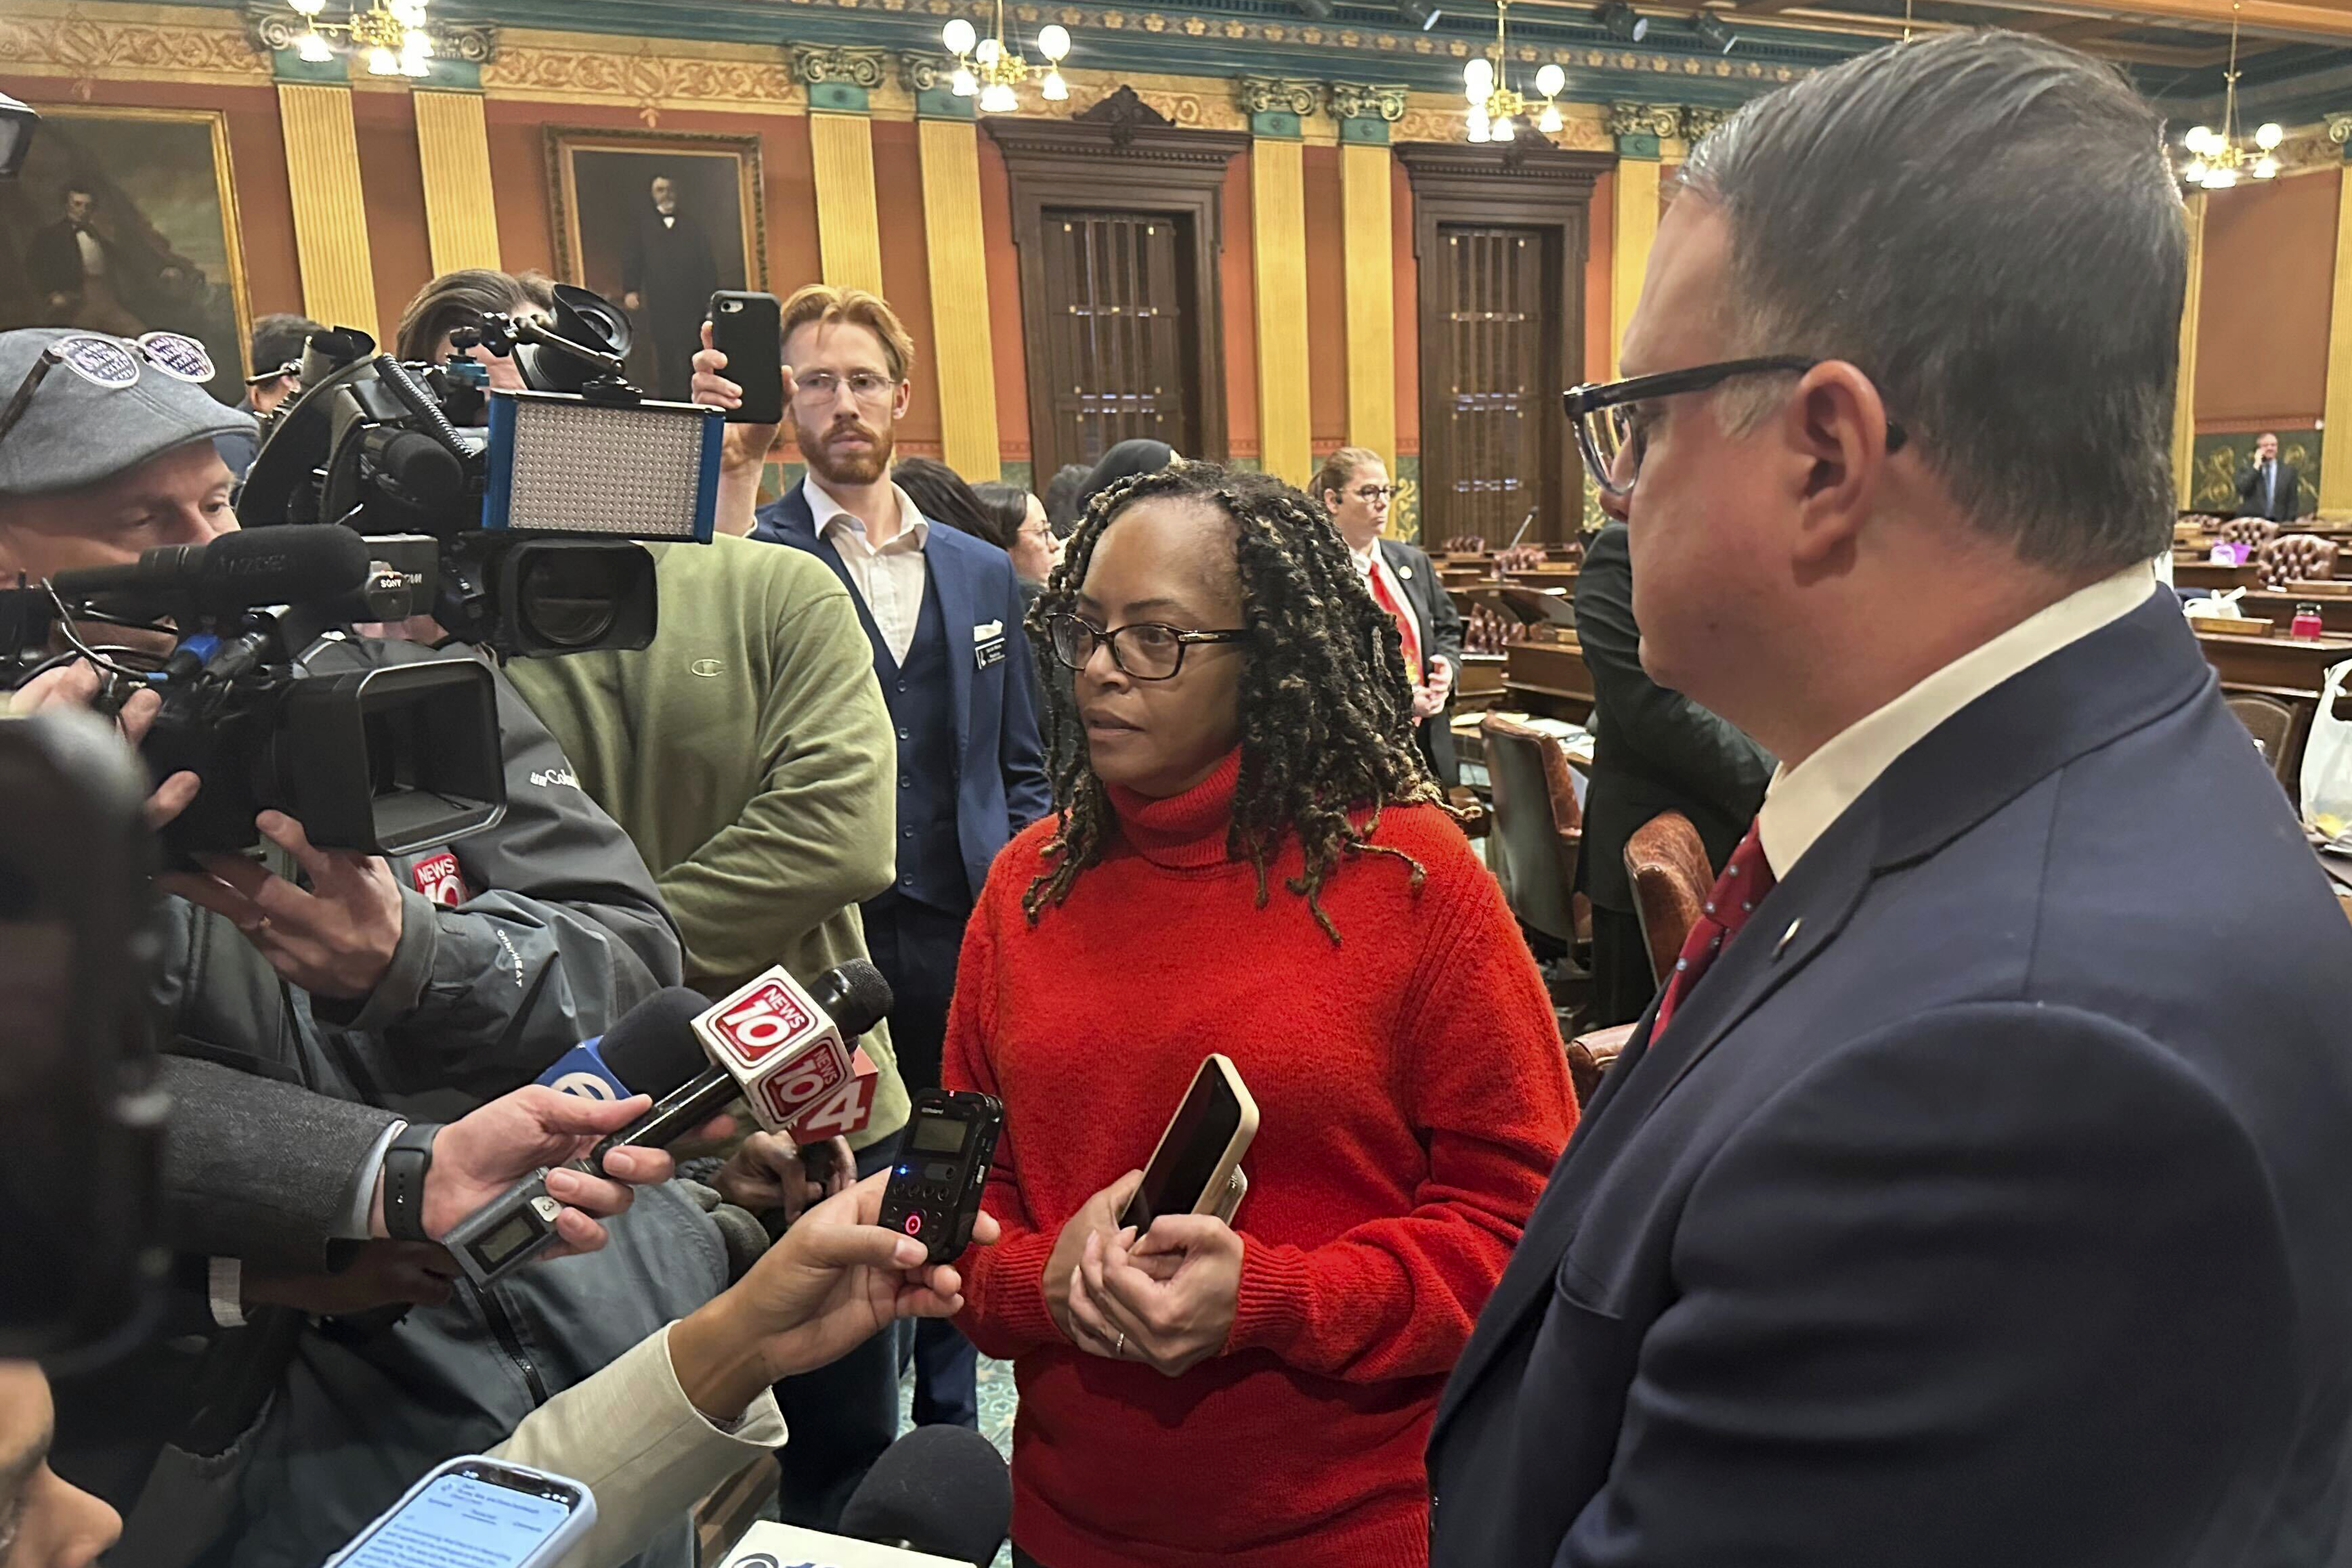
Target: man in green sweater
(750, 757)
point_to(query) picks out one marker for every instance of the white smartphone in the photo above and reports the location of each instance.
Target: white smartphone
(484, 1513)
(1196, 1170)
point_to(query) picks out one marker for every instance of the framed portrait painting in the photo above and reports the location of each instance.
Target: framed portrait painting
(656, 222)
(124, 221)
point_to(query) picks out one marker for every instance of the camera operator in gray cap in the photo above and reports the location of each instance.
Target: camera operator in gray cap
(423, 985)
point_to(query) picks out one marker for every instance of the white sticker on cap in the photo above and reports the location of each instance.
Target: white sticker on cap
(179, 357)
(101, 361)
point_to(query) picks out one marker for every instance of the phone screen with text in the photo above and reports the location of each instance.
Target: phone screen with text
(463, 1521)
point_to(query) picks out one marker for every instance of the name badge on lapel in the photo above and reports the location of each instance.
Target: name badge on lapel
(988, 644)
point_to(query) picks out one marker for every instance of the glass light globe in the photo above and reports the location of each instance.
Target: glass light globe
(988, 52)
(2199, 139)
(2221, 178)
(1478, 75)
(416, 45)
(1551, 122)
(1053, 89)
(1053, 40)
(383, 62)
(1502, 129)
(1550, 79)
(998, 100)
(959, 37)
(964, 84)
(2195, 173)
(2269, 137)
(1479, 127)
(309, 7)
(314, 48)
(2266, 167)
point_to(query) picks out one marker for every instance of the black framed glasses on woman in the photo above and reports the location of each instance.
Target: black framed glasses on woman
(1146, 650)
(1613, 430)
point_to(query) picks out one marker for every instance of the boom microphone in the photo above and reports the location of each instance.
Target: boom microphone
(939, 1489)
(786, 1050)
(234, 571)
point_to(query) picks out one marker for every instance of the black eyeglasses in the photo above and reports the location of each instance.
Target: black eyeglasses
(1608, 434)
(1146, 650)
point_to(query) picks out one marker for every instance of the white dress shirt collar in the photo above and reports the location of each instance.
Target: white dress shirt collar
(828, 516)
(1802, 803)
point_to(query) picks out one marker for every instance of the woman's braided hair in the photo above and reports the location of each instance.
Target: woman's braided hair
(1326, 710)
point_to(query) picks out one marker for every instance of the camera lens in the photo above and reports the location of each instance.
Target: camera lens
(567, 599)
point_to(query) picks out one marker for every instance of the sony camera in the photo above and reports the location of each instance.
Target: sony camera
(532, 498)
(387, 748)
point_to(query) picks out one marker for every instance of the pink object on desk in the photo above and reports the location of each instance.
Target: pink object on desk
(2306, 621)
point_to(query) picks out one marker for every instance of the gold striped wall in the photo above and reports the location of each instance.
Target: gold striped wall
(957, 253)
(1279, 263)
(848, 239)
(2336, 454)
(2184, 403)
(461, 215)
(1370, 278)
(1635, 228)
(331, 236)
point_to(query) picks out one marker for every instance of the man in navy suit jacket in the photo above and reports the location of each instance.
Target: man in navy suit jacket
(1979, 1191)
(943, 612)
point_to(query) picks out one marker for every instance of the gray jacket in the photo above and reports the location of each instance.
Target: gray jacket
(558, 932)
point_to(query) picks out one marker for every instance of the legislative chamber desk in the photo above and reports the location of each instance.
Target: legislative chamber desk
(1548, 678)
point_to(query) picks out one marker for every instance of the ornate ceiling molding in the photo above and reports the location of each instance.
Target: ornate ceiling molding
(272, 28)
(46, 39)
(1269, 95)
(1365, 100)
(849, 65)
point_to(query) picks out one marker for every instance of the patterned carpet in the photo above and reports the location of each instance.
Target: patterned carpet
(997, 1403)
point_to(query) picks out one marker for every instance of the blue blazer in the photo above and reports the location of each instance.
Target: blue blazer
(1989, 1202)
(1001, 784)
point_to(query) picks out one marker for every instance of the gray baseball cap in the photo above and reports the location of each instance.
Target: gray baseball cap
(76, 432)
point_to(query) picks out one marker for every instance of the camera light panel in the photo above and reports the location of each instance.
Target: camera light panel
(562, 464)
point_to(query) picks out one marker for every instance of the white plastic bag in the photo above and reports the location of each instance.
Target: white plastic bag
(2328, 760)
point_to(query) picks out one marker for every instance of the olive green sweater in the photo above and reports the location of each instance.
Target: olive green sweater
(747, 754)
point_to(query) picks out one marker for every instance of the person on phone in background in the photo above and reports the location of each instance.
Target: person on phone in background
(1249, 858)
(2268, 487)
(1353, 486)
(941, 615)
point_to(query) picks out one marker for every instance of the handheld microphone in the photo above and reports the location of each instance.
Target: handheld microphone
(234, 571)
(943, 1491)
(651, 1049)
(786, 1050)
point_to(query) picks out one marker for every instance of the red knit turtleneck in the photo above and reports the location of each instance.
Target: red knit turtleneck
(1412, 1098)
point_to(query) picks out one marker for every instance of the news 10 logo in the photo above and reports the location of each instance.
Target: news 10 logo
(760, 1020)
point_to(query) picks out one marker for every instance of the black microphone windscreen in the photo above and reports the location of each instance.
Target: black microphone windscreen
(941, 1489)
(854, 995)
(279, 566)
(652, 1048)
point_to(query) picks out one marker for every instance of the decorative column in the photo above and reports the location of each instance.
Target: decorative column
(954, 247)
(322, 166)
(841, 143)
(1368, 238)
(1639, 129)
(2336, 440)
(2184, 399)
(1278, 269)
(461, 212)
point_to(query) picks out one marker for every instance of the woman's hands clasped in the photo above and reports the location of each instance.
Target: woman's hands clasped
(1167, 1298)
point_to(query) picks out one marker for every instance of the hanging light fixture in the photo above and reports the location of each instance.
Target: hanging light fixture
(989, 69)
(2217, 160)
(1495, 111)
(392, 36)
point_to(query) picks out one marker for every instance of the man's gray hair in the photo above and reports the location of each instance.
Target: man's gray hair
(1985, 224)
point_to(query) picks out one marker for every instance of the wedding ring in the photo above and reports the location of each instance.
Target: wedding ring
(1121, 1350)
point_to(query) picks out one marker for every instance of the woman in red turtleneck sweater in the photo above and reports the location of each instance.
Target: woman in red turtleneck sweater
(1249, 858)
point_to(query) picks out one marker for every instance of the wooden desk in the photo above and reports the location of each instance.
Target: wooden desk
(1479, 684)
(1548, 678)
(2212, 578)
(2274, 664)
(2278, 607)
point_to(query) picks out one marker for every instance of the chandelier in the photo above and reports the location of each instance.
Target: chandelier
(2218, 159)
(1495, 111)
(391, 32)
(991, 68)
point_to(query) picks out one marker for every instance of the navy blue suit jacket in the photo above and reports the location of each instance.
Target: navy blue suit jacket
(1000, 785)
(1989, 1202)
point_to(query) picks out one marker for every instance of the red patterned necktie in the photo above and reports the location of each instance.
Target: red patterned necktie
(1747, 878)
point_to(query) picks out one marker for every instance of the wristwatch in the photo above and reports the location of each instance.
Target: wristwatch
(405, 1164)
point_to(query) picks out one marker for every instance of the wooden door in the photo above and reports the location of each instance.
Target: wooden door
(1491, 458)
(1118, 337)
